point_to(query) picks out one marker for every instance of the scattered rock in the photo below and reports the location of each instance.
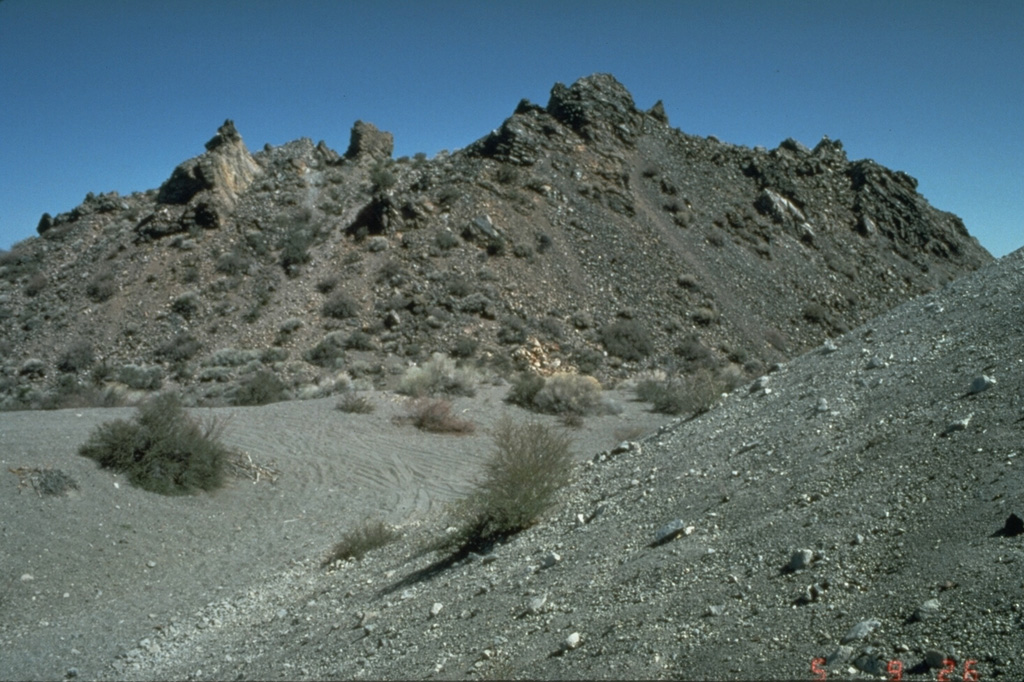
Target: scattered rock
(549, 560)
(435, 609)
(1013, 527)
(926, 611)
(572, 641)
(980, 384)
(958, 425)
(800, 560)
(860, 630)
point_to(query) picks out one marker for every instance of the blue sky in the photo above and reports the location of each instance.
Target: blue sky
(101, 95)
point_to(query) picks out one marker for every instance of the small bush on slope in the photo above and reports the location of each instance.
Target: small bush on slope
(530, 463)
(435, 415)
(162, 449)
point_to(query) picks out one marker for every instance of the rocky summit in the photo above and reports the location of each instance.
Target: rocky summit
(585, 235)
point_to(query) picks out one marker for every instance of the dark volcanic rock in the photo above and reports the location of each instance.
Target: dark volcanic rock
(369, 143)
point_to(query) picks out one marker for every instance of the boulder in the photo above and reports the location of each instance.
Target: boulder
(367, 142)
(597, 107)
(227, 168)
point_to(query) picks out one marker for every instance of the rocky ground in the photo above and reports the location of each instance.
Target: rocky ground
(586, 234)
(852, 512)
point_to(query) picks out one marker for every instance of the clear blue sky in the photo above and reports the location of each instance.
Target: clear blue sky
(101, 95)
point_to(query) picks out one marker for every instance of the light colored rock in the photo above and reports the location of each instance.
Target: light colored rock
(572, 641)
(860, 630)
(800, 560)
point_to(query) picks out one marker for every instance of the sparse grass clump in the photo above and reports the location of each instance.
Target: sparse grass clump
(362, 539)
(435, 415)
(530, 463)
(440, 375)
(162, 449)
(354, 403)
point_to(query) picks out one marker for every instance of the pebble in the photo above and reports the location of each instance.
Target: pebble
(671, 531)
(27, 577)
(860, 630)
(934, 658)
(800, 560)
(926, 611)
(981, 383)
(572, 641)
(550, 559)
(715, 610)
(958, 425)
(436, 609)
(536, 604)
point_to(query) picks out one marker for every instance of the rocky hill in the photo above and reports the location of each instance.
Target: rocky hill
(585, 234)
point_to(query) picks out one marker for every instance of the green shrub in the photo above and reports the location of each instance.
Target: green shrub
(141, 378)
(381, 178)
(35, 285)
(340, 306)
(329, 352)
(446, 240)
(691, 395)
(182, 347)
(627, 339)
(101, 287)
(295, 250)
(529, 465)
(435, 415)
(262, 388)
(77, 357)
(162, 449)
(525, 387)
(359, 340)
(186, 305)
(464, 347)
(232, 263)
(440, 375)
(354, 403)
(357, 542)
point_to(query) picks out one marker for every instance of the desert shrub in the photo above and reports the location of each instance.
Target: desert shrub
(181, 347)
(815, 313)
(262, 388)
(512, 331)
(295, 249)
(382, 178)
(231, 357)
(440, 375)
(35, 285)
(496, 246)
(522, 250)
(435, 415)
(141, 378)
(162, 449)
(186, 305)
(524, 389)
(446, 240)
(329, 352)
(705, 316)
(76, 357)
(232, 263)
(364, 538)
(691, 395)
(359, 340)
(543, 243)
(101, 286)
(353, 403)
(552, 327)
(529, 465)
(569, 394)
(627, 339)
(464, 347)
(340, 306)
(327, 284)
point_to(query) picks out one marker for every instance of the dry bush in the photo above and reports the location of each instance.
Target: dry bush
(627, 339)
(570, 394)
(440, 375)
(355, 404)
(357, 542)
(435, 415)
(162, 449)
(530, 463)
(690, 395)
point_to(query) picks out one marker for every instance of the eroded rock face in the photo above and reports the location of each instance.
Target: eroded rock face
(596, 106)
(209, 184)
(368, 142)
(226, 166)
